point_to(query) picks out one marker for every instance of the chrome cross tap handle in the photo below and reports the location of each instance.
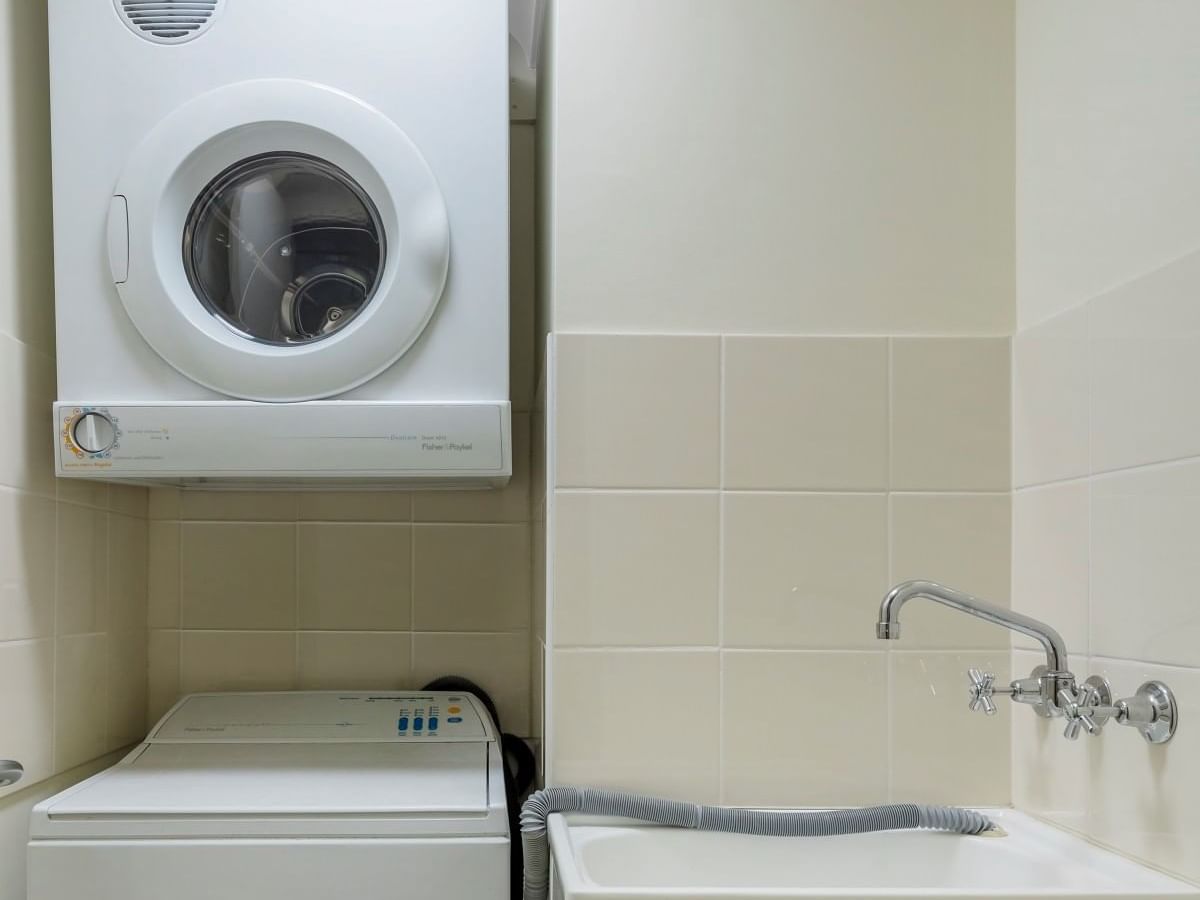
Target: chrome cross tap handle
(1089, 708)
(1077, 712)
(983, 686)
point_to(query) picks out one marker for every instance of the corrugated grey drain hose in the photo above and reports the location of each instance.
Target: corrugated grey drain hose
(718, 818)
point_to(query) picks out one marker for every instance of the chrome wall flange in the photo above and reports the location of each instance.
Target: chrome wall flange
(11, 772)
(1166, 712)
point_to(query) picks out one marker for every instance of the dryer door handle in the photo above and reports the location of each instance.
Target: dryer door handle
(118, 239)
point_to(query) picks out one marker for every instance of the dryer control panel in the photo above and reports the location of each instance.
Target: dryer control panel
(325, 717)
(179, 443)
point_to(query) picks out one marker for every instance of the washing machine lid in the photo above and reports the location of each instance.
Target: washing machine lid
(299, 764)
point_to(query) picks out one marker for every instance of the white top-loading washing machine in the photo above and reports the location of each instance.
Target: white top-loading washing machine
(281, 239)
(288, 796)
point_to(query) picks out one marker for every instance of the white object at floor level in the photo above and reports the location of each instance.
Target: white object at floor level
(303, 796)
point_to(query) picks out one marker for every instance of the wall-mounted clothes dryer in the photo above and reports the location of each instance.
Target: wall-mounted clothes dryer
(281, 240)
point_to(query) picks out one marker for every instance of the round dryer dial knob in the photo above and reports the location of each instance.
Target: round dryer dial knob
(94, 432)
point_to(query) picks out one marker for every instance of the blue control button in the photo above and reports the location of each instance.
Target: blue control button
(454, 720)
(418, 723)
(402, 725)
(433, 723)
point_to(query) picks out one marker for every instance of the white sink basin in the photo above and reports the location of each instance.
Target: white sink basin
(1034, 861)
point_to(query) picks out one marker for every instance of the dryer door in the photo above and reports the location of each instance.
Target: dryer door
(278, 240)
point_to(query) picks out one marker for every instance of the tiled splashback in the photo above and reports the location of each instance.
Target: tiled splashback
(1107, 520)
(726, 514)
(1105, 418)
(276, 591)
(72, 556)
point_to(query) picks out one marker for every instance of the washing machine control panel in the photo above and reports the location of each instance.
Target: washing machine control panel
(325, 717)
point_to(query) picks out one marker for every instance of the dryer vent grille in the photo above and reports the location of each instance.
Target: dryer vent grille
(168, 21)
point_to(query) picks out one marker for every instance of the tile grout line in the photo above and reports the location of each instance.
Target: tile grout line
(721, 675)
(296, 599)
(412, 596)
(889, 745)
(54, 642)
(178, 607)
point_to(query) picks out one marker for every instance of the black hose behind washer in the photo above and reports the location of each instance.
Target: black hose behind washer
(520, 769)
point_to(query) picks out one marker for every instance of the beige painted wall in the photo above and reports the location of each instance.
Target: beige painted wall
(781, 166)
(72, 556)
(779, 276)
(1106, 429)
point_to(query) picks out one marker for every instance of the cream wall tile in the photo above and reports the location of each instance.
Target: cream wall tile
(540, 575)
(1145, 352)
(537, 711)
(950, 414)
(128, 687)
(498, 663)
(804, 570)
(1144, 565)
(690, 209)
(538, 452)
(129, 500)
(355, 577)
(346, 661)
(1051, 551)
(962, 540)
(1049, 773)
(1051, 438)
(81, 592)
(508, 504)
(240, 506)
(164, 503)
(471, 577)
(355, 506)
(163, 574)
(637, 569)
(27, 673)
(27, 541)
(596, 711)
(128, 571)
(1145, 800)
(637, 411)
(163, 664)
(237, 661)
(806, 413)
(788, 743)
(26, 392)
(238, 576)
(941, 751)
(82, 492)
(80, 699)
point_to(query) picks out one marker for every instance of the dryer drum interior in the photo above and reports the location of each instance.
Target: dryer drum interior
(284, 248)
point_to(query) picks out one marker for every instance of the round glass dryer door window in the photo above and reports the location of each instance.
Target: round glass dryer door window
(278, 240)
(284, 248)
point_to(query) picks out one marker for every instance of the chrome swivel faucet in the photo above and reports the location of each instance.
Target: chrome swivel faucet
(1051, 689)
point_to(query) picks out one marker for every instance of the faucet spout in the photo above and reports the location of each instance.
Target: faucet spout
(888, 627)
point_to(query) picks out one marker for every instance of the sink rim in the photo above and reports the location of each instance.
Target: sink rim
(570, 868)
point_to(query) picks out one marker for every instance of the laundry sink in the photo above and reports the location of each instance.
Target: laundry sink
(594, 860)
